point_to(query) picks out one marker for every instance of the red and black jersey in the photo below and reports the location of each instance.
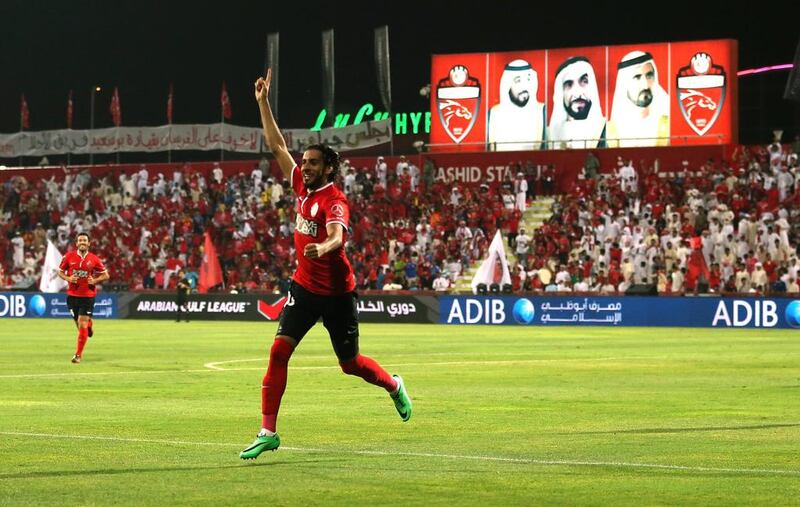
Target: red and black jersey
(330, 274)
(90, 264)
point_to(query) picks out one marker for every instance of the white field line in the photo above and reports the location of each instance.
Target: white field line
(461, 457)
(212, 367)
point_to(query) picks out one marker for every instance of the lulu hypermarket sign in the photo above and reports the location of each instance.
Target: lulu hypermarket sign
(404, 123)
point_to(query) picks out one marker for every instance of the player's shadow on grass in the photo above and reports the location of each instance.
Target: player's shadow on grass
(684, 430)
(120, 471)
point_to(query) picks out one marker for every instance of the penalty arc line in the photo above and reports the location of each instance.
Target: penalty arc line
(214, 365)
(523, 461)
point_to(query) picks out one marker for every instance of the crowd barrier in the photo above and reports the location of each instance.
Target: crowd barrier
(699, 311)
(34, 304)
(267, 307)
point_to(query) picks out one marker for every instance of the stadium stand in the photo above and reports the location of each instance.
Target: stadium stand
(731, 226)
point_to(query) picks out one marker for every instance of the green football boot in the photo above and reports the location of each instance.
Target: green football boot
(261, 444)
(402, 402)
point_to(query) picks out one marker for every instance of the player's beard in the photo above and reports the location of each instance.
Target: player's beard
(316, 181)
(583, 111)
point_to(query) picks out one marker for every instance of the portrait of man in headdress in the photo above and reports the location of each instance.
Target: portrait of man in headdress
(640, 111)
(516, 122)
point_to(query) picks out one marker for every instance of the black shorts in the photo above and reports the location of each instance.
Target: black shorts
(80, 306)
(339, 316)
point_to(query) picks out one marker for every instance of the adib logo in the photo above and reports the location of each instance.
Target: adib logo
(793, 314)
(37, 306)
(523, 311)
(12, 305)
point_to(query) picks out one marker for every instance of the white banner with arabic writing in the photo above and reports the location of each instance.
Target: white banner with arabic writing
(215, 136)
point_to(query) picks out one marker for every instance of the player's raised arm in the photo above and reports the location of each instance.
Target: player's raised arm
(275, 141)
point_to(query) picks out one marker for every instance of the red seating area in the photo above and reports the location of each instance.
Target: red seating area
(145, 226)
(734, 222)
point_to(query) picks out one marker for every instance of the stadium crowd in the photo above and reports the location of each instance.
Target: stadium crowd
(722, 227)
(147, 226)
(730, 226)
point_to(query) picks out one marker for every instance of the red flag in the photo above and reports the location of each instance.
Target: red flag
(115, 109)
(227, 113)
(70, 110)
(24, 113)
(210, 270)
(169, 105)
(696, 264)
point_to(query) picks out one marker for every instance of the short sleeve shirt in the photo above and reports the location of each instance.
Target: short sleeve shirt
(90, 264)
(330, 274)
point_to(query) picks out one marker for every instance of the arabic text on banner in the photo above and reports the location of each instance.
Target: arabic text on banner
(202, 137)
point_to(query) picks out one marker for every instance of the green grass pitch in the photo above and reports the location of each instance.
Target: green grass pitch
(158, 411)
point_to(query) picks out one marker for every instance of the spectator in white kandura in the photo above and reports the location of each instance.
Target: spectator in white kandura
(380, 171)
(160, 186)
(463, 234)
(677, 279)
(454, 267)
(640, 272)
(563, 275)
(216, 173)
(759, 277)
(413, 171)
(142, 181)
(523, 246)
(177, 176)
(256, 177)
(521, 191)
(628, 178)
(607, 288)
(581, 285)
(455, 197)
(401, 167)
(19, 250)
(276, 191)
(441, 283)
(350, 181)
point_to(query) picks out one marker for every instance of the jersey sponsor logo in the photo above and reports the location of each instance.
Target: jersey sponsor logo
(80, 273)
(307, 227)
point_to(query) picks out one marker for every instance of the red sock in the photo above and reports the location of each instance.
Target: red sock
(274, 383)
(83, 336)
(369, 370)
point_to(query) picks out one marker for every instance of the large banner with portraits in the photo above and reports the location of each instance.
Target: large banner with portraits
(638, 95)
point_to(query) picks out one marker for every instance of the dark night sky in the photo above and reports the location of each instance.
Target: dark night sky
(51, 47)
